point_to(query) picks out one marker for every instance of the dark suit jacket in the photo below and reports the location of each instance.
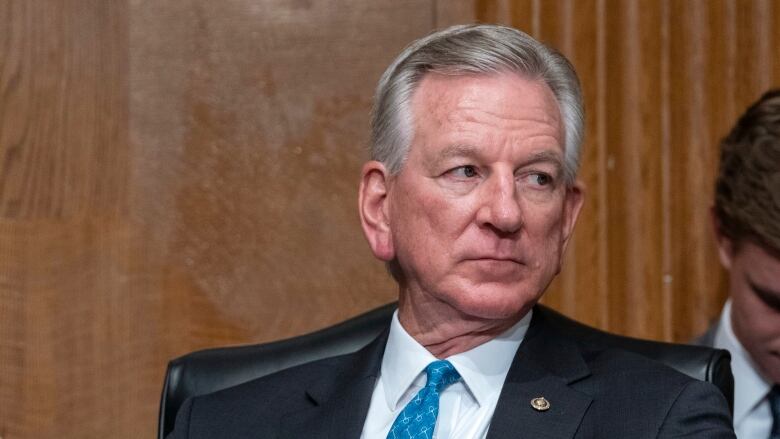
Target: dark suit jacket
(594, 392)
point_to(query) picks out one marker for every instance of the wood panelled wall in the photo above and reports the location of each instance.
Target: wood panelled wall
(176, 175)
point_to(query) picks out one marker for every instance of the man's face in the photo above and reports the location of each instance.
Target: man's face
(754, 286)
(480, 214)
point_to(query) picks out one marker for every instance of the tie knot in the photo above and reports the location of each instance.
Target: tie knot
(441, 373)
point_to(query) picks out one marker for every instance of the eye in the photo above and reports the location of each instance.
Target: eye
(464, 172)
(540, 179)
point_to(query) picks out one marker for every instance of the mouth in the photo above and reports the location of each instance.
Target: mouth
(497, 259)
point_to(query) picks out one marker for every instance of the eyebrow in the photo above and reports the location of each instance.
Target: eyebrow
(546, 156)
(464, 150)
(768, 296)
(457, 150)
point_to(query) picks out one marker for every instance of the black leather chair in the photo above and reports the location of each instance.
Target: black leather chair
(210, 370)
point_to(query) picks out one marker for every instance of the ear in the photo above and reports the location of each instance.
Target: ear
(724, 243)
(374, 207)
(575, 196)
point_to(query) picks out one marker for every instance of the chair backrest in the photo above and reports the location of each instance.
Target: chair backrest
(210, 370)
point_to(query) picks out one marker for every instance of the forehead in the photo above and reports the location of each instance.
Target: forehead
(504, 92)
(479, 108)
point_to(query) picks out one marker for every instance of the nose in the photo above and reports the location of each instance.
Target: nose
(500, 207)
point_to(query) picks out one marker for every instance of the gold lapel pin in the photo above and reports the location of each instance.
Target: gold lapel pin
(540, 404)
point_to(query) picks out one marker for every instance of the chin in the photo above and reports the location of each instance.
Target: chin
(496, 306)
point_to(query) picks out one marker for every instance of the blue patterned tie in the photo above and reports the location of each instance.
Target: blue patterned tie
(418, 418)
(774, 405)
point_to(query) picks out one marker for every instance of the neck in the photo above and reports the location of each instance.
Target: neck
(444, 330)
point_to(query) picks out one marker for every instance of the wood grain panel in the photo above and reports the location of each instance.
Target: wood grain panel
(89, 327)
(182, 174)
(264, 135)
(53, 116)
(63, 185)
(691, 171)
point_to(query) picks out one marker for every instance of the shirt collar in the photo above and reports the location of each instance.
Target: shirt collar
(750, 387)
(483, 368)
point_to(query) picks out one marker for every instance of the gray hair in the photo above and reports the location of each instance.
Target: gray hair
(463, 50)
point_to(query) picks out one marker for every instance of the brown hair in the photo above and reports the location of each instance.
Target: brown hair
(747, 190)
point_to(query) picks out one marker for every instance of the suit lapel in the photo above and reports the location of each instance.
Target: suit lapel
(545, 365)
(340, 402)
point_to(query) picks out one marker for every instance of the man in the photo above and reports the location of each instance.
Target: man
(470, 197)
(747, 225)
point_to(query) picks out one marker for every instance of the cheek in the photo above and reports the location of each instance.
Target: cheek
(545, 228)
(439, 214)
(421, 223)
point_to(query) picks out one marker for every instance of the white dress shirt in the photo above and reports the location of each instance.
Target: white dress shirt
(465, 407)
(752, 415)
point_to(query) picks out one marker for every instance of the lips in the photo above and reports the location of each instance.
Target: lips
(495, 258)
(497, 261)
